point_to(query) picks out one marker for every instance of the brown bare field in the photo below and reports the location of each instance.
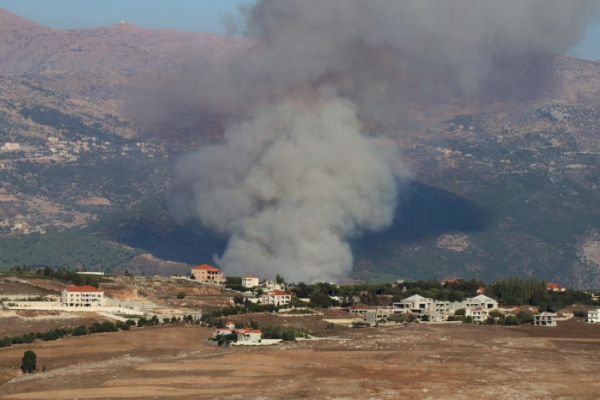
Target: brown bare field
(422, 361)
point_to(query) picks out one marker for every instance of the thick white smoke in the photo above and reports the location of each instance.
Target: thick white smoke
(296, 178)
(292, 182)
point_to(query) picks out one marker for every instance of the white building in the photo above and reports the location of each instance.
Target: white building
(545, 319)
(248, 335)
(12, 146)
(249, 281)
(477, 314)
(82, 296)
(593, 317)
(276, 297)
(420, 305)
(273, 285)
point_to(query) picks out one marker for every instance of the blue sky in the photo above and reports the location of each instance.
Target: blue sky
(187, 15)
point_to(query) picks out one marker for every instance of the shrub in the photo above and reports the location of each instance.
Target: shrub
(511, 320)
(425, 318)
(580, 313)
(130, 322)
(38, 335)
(119, 324)
(412, 318)
(80, 331)
(496, 314)
(125, 327)
(468, 320)
(17, 340)
(181, 295)
(109, 327)
(52, 335)
(460, 311)
(28, 363)
(166, 320)
(524, 317)
(7, 341)
(28, 338)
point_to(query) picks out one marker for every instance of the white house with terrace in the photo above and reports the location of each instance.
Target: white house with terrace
(82, 296)
(276, 297)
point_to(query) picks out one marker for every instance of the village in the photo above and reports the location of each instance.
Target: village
(59, 150)
(75, 315)
(249, 295)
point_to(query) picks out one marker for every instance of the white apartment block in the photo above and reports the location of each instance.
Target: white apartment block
(593, 317)
(82, 296)
(420, 305)
(477, 314)
(249, 281)
(545, 319)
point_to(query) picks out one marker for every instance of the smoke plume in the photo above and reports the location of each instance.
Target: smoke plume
(295, 177)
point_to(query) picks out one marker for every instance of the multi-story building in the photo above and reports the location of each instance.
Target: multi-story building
(276, 297)
(82, 296)
(206, 273)
(477, 314)
(593, 316)
(545, 319)
(420, 305)
(249, 281)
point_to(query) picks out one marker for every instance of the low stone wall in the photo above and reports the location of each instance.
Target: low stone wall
(57, 306)
(263, 342)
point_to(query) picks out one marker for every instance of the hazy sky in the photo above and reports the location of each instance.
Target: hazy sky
(188, 15)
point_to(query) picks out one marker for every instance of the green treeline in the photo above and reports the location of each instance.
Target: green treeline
(63, 249)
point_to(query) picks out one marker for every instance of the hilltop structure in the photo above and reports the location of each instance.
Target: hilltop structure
(208, 274)
(82, 296)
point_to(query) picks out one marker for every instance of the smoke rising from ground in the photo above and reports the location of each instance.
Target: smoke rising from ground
(295, 177)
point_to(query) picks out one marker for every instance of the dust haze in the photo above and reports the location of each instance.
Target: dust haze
(295, 178)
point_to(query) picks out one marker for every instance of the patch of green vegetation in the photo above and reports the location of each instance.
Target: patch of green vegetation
(63, 249)
(71, 126)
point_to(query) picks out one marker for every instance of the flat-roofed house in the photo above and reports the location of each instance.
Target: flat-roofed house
(545, 319)
(415, 304)
(479, 301)
(82, 296)
(248, 335)
(206, 273)
(276, 297)
(477, 314)
(593, 317)
(249, 281)
(223, 332)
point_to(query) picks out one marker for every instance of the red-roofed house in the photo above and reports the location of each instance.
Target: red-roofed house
(444, 281)
(230, 325)
(82, 296)
(556, 288)
(249, 281)
(248, 335)
(206, 273)
(480, 290)
(276, 297)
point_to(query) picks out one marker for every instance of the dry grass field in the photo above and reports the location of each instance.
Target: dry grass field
(405, 362)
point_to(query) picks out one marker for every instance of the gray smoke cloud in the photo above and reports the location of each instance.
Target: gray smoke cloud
(295, 177)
